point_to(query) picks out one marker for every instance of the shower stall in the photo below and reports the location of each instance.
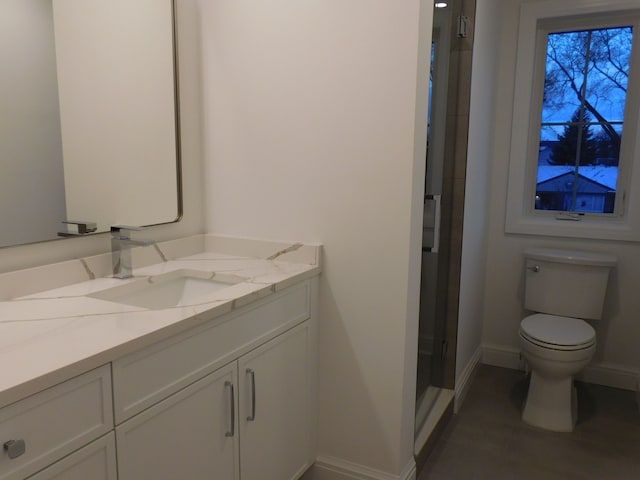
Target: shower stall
(451, 51)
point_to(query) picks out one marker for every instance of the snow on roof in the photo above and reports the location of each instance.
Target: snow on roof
(607, 176)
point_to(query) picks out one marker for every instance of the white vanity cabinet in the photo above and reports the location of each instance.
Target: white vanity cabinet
(231, 400)
(46, 427)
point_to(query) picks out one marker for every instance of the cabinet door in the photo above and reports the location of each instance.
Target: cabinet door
(275, 407)
(96, 461)
(192, 434)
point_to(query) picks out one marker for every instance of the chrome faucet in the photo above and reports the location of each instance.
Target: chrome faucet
(121, 243)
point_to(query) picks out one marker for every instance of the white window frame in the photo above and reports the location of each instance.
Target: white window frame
(521, 216)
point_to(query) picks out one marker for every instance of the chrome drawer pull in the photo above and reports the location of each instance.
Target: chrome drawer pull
(252, 417)
(15, 448)
(232, 410)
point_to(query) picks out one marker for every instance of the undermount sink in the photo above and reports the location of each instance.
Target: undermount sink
(171, 289)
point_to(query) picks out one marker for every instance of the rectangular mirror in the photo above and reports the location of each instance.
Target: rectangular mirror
(88, 116)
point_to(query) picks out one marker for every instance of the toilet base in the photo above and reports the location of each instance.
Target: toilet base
(551, 403)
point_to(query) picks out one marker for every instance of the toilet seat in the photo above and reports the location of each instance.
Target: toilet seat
(557, 333)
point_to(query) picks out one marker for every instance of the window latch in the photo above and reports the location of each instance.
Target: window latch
(576, 217)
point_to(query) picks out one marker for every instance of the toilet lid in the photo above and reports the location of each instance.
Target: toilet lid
(557, 330)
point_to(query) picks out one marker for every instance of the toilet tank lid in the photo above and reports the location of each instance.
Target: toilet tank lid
(571, 256)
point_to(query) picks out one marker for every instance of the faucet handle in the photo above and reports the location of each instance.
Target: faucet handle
(83, 226)
(123, 230)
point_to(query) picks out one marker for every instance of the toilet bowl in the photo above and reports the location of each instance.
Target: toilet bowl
(563, 288)
(556, 348)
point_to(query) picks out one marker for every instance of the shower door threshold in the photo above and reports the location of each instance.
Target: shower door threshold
(430, 412)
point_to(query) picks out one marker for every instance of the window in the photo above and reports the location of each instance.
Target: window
(574, 138)
(585, 91)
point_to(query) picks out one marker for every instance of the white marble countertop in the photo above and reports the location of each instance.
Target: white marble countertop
(51, 335)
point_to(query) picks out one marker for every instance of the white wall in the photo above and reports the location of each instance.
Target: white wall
(12, 258)
(476, 207)
(617, 353)
(310, 111)
(31, 180)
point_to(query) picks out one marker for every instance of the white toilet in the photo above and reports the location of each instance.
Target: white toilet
(564, 288)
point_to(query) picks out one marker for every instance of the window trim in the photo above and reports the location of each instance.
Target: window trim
(521, 217)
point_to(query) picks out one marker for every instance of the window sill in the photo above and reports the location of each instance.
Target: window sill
(586, 227)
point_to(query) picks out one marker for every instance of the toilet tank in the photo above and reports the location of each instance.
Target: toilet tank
(566, 283)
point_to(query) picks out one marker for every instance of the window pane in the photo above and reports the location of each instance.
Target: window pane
(608, 71)
(565, 62)
(585, 90)
(576, 189)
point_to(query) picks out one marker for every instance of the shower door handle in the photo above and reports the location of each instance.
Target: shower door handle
(436, 222)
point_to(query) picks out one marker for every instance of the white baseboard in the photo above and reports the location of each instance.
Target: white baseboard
(501, 357)
(331, 468)
(607, 375)
(610, 376)
(464, 382)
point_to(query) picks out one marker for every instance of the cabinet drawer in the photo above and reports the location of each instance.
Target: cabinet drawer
(148, 376)
(96, 461)
(54, 422)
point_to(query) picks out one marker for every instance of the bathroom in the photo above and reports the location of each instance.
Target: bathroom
(298, 123)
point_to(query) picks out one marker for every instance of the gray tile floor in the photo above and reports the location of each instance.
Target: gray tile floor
(487, 439)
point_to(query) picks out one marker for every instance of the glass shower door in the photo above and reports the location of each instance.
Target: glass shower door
(430, 341)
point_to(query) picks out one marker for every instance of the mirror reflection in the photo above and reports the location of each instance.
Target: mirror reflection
(88, 117)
